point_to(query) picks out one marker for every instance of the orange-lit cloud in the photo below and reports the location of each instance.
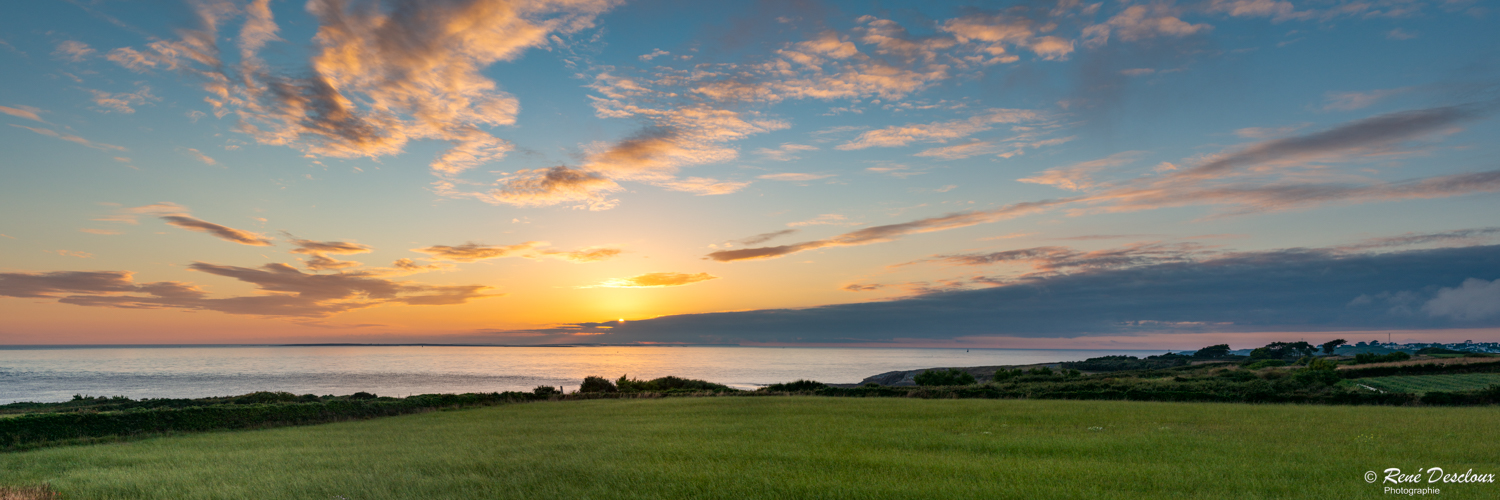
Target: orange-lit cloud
(383, 74)
(73, 50)
(472, 252)
(26, 112)
(657, 280)
(902, 135)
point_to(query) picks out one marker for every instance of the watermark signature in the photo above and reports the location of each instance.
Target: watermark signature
(1398, 477)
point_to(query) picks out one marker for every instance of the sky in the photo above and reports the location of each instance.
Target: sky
(1047, 174)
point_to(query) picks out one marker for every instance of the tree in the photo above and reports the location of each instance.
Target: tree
(1283, 350)
(1212, 352)
(1332, 345)
(596, 384)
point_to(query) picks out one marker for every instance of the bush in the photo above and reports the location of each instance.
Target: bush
(597, 384)
(1044, 371)
(798, 386)
(668, 383)
(362, 395)
(951, 376)
(545, 390)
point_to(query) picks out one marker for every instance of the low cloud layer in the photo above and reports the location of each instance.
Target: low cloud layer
(285, 291)
(656, 280)
(1282, 290)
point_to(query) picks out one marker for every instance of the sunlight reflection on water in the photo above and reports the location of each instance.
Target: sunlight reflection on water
(56, 374)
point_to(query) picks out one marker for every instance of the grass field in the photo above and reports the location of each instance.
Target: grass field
(1422, 384)
(793, 448)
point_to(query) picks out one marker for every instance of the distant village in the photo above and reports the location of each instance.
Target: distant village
(1378, 347)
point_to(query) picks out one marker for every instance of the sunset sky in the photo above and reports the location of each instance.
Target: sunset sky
(1133, 174)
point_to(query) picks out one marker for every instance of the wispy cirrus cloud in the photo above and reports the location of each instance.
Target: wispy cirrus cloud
(889, 232)
(73, 139)
(794, 177)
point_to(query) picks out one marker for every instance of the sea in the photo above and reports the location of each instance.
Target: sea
(58, 373)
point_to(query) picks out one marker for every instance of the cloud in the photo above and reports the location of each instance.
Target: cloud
(1457, 237)
(1052, 259)
(1295, 290)
(824, 220)
(319, 250)
(320, 262)
(703, 186)
(1399, 34)
(961, 151)
(222, 232)
(98, 231)
(1475, 299)
(310, 247)
(26, 112)
(286, 292)
(472, 252)
(73, 50)
(73, 139)
(382, 74)
(1079, 176)
(764, 237)
(591, 254)
(990, 34)
(198, 155)
(122, 102)
(1139, 22)
(551, 186)
(794, 177)
(1350, 101)
(73, 253)
(901, 135)
(1268, 132)
(785, 152)
(889, 232)
(657, 280)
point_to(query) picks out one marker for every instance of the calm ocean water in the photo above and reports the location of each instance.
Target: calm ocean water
(56, 374)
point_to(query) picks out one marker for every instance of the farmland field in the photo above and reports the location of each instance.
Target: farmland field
(794, 447)
(1427, 383)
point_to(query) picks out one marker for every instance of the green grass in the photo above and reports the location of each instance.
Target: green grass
(794, 448)
(1422, 384)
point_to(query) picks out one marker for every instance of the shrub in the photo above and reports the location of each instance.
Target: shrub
(545, 390)
(597, 384)
(1042, 370)
(668, 383)
(799, 386)
(362, 395)
(951, 376)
